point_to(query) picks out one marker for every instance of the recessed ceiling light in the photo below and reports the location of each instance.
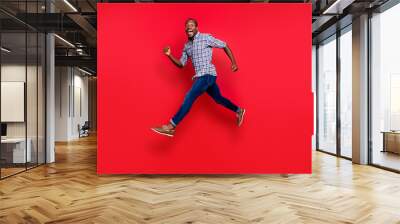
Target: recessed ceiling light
(70, 5)
(64, 40)
(5, 50)
(337, 7)
(84, 71)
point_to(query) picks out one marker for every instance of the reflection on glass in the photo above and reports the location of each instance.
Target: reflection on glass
(386, 88)
(346, 94)
(327, 96)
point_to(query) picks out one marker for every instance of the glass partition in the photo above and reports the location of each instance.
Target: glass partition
(15, 150)
(22, 101)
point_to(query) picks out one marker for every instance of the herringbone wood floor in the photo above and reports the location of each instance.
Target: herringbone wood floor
(69, 191)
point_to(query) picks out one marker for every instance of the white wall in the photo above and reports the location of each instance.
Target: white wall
(61, 103)
(14, 72)
(71, 93)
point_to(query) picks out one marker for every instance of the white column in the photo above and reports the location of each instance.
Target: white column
(50, 92)
(360, 90)
(50, 110)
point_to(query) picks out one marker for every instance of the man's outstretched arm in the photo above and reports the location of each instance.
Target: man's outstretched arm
(177, 62)
(231, 57)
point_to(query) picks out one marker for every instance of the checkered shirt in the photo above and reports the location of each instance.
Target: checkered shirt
(199, 50)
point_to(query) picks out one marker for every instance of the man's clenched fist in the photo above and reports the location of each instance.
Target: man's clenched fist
(167, 50)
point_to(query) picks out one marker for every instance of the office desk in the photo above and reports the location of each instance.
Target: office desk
(391, 141)
(13, 150)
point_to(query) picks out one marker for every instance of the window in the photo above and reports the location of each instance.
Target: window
(346, 93)
(327, 95)
(385, 88)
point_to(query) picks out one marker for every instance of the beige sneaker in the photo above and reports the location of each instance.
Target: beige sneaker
(164, 130)
(240, 116)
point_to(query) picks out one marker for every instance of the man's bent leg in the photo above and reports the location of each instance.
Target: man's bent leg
(199, 87)
(215, 93)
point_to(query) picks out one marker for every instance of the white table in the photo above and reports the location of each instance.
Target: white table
(18, 149)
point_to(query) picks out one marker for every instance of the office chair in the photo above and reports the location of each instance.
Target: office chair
(84, 130)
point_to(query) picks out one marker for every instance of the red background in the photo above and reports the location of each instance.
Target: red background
(138, 88)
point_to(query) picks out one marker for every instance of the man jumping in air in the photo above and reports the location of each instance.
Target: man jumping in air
(199, 50)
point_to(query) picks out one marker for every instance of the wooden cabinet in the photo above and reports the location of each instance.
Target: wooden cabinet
(391, 142)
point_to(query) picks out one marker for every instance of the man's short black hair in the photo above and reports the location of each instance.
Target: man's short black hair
(191, 19)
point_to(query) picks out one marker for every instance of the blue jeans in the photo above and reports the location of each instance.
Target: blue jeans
(206, 83)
